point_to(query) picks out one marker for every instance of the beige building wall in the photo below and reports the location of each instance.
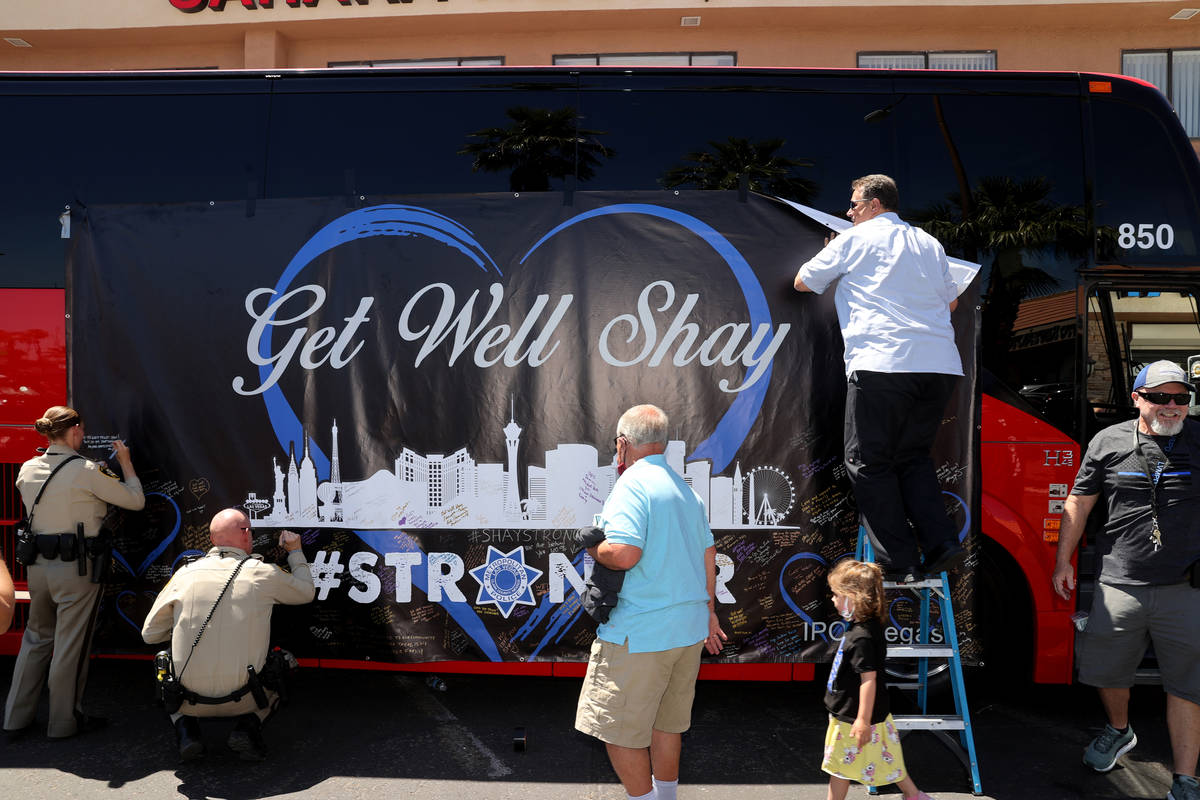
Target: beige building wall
(153, 34)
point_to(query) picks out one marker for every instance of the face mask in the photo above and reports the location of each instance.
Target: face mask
(621, 468)
(848, 611)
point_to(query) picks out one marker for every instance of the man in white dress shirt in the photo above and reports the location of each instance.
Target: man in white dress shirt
(894, 296)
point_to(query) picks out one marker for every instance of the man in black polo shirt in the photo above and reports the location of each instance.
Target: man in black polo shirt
(1148, 551)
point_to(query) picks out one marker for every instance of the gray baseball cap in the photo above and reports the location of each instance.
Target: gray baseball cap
(1161, 372)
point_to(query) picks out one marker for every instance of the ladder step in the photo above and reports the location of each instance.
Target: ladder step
(948, 722)
(920, 651)
(926, 583)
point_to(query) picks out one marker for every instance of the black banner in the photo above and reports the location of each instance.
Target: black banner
(427, 390)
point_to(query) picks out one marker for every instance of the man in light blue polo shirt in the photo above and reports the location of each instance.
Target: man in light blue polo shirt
(894, 296)
(641, 677)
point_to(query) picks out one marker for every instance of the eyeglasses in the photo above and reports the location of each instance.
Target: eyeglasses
(1161, 398)
(244, 528)
(619, 437)
(854, 202)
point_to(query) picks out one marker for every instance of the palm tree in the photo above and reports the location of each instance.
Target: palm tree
(722, 165)
(541, 144)
(1013, 221)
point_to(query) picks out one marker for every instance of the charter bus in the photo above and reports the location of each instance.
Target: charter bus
(1075, 193)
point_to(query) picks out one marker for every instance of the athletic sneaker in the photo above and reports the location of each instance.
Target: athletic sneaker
(1184, 788)
(1102, 754)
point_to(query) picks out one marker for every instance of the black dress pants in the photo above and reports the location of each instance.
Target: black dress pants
(891, 421)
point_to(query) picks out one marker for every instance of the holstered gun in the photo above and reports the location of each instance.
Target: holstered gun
(99, 550)
(80, 549)
(256, 687)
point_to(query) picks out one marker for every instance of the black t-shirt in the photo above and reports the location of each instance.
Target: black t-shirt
(1112, 467)
(863, 649)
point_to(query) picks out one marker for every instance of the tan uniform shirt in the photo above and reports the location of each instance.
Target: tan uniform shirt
(80, 492)
(238, 633)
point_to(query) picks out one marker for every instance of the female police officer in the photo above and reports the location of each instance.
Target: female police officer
(62, 602)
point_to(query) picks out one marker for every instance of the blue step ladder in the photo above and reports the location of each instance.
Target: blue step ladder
(938, 724)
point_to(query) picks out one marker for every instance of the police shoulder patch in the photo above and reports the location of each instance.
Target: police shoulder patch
(104, 469)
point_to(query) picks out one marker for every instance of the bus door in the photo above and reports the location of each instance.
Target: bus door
(1128, 325)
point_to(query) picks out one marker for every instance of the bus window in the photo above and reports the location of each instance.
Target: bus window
(1145, 212)
(1010, 197)
(805, 146)
(1127, 329)
(413, 134)
(120, 142)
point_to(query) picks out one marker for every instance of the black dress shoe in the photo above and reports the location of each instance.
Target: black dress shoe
(187, 737)
(945, 559)
(246, 738)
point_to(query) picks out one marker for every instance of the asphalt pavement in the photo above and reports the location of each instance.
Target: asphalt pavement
(374, 734)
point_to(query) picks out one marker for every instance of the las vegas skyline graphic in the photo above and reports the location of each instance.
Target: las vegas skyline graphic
(454, 490)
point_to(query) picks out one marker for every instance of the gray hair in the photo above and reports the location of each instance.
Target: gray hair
(878, 186)
(644, 424)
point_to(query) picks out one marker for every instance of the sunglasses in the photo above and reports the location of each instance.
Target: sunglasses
(1161, 398)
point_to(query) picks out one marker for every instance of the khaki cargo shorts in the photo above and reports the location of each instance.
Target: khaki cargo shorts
(626, 695)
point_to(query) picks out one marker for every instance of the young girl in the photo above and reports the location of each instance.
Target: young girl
(862, 743)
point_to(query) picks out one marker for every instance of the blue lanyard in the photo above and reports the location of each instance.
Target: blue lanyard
(837, 662)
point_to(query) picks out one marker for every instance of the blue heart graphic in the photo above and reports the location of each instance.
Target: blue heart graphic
(786, 595)
(158, 548)
(128, 593)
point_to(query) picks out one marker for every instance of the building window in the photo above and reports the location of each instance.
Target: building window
(647, 60)
(1176, 73)
(481, 61)
(979, 59)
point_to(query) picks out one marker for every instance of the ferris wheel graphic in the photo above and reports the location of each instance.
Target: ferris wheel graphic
(769, 496)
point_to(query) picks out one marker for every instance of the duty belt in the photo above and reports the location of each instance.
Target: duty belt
(64, 546)
(253, 686)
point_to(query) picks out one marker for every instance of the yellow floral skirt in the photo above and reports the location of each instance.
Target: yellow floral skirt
(878, 763)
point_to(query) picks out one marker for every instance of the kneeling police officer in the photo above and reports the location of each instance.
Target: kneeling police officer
(217, 613)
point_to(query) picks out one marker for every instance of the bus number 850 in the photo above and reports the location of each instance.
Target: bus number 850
(1146, 236)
